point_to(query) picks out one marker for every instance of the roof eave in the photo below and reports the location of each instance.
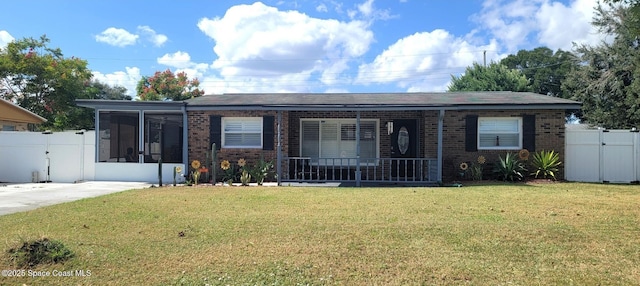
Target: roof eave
(130, 105)
(381, 107)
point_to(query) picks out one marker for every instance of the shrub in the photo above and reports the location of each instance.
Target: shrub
(545, 164)
(261, 170)
(41, 251)
(509, 168)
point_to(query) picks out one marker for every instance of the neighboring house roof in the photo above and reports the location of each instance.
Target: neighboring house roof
(14, 113)
(382, 101)
(354, 101)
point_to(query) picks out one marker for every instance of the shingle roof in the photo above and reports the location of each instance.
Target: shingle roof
(19, 114)
(379, 101)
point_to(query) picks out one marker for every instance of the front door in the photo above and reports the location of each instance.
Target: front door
(404, 145)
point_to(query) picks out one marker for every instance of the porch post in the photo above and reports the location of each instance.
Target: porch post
(279, 150)
(440, 134)
(358, 149)
(185, 141)
(96, 146)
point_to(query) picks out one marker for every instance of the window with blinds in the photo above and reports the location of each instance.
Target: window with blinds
(336, 138)
(500, 133)
(242, 132)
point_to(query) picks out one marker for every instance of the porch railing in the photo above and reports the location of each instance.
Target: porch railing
(407, 170)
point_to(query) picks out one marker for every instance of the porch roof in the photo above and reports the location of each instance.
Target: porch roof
(130, 105)
(380, 101)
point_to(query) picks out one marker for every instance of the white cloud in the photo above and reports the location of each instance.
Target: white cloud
(157, 39)
(367, 11)
(510, 22)
(117, 37)
(128, 78)
(522, 23)
(424, 61)
(321, 8)
(5, 38)
(177, 60)
(556, 21)
(182, 62)
(366, 8)
(122, 38)
(260, 47)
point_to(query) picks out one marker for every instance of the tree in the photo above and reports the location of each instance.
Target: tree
(41, 80)
(544, 69)
(99, 90)
(495, 77)
(167, 86)
(606, 81)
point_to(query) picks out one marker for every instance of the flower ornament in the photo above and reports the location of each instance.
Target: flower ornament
(464, 166)
(195, 164)
(481, 160)
(225, 165)
(178, 169)
(242, 162)
(523, 154)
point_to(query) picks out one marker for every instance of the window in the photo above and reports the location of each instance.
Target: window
(242, 132)
(122, 137)
(336, 138)
(118, 137)
(162, 137)
(8, 128)
(500, 133)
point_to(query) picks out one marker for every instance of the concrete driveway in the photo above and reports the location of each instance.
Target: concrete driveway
(23, 197)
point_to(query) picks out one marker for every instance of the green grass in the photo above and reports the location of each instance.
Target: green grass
(560, 233)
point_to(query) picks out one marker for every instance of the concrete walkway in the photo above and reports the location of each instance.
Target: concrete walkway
(23, 197)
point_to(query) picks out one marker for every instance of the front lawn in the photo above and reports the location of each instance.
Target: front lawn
(522, 234)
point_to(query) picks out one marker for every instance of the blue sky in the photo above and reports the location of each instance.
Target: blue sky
(298, 46)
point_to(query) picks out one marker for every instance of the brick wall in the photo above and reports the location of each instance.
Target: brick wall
(199, 137)
(550, 133)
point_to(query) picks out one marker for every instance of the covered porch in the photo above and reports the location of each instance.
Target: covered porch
(395, 145)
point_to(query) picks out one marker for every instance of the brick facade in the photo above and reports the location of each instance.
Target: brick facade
(549, 134)
(199, 137)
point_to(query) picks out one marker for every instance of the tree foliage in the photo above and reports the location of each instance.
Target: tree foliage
(606, 81)
(99, 90)
(495, 77)
(544, 69)
(167, 86)
(41, 80)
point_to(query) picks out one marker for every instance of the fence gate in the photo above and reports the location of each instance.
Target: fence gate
(602, 155)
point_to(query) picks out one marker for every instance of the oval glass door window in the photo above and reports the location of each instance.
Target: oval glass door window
(403, 140)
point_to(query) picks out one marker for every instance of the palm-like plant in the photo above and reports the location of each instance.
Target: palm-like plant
(509, 168)
(546, 164)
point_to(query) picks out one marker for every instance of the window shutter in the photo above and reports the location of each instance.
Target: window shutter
(267, 133)
(215, 135)
(529, 132)
(471, 133)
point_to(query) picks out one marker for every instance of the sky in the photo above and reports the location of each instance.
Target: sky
(318, 46)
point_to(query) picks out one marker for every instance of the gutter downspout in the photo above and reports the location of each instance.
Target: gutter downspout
(185, 138)
(440, 134)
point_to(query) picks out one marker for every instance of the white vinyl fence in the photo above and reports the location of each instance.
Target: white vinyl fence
(63, 157)
(602, 155)
(68, 157)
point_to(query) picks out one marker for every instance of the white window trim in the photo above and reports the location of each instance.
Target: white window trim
(520, 132)
(341, 121)
(223, 132)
